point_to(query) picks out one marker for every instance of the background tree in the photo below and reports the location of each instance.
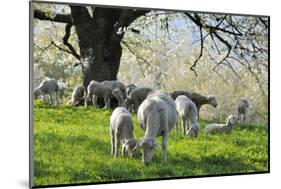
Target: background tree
(226, 55)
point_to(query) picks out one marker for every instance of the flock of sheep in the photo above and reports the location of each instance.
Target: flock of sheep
(157, 111)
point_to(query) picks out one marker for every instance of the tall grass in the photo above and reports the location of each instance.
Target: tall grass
(72, 145)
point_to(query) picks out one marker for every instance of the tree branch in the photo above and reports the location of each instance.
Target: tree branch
(201, 52)
(227, 45)
(66, 43)
(63, 18)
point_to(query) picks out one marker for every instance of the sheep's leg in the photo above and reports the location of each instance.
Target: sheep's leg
(198, 110)
(94, 100)
(105, 102)
(244, 119)
(136, 105)
(176, 126)
(108, 102)
(112, 142)
(187, 125)
(87, 98)
(51, 98)
(123, 149)
(117, 143)
(183, 123)
(57, 98)
(164, 145)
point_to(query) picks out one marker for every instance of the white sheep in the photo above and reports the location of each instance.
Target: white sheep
(197, 98)
(78, 95)
(243, 106)
(157, 115)
(187, 113)
(121, 131)
(136, 97)
(222, 128)
(106, 90)
(48, 87)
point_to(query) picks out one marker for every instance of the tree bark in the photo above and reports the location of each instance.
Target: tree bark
(100, 45)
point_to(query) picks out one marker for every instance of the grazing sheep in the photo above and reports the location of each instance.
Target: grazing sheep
(121, 131)
(48, 87)
(129, 88)
(106, 90)
(222, 128)
(187, 112)
(116, 84)
(157, 115)
(197, 98)
(243, 106)
(78, 95)
(62, 87)
(136, 97)
(117, 93)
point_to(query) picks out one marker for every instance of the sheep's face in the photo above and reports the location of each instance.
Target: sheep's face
(117, 93)
(148, 149)
(130, 147)
(233, 120)
(213, 101)
(37, 93)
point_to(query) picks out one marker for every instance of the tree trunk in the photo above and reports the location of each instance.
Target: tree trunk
(100, 48)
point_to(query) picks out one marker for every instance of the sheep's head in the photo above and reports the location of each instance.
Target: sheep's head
(117, 93)
(130, 147)
(148, 146)
(212, 101)
(37, 92)
(232, 120)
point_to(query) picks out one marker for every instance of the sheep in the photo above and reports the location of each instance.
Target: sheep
(48, 87)
(117, 93)
(78, 95)
(157, 115)
(222, 128)
(197, 98)
(243, 106)
(106, 90)
(187, 112)
(136, 97)
(112, 84)
(129, 88)
(121, 131)
(62, 87)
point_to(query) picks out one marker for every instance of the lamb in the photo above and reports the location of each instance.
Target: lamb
(197, 98)
(136, 97)
(48, 87)
(243, 106)
(121, 131)
(78, 95)
(106, 90)
(187, 112)
(157, 115)
(222, 128)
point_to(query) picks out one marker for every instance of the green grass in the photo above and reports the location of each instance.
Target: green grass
(72, 145)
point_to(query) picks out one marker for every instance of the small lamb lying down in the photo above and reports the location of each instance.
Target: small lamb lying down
(223, 128)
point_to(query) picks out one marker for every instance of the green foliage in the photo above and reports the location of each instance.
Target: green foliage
(72, 145)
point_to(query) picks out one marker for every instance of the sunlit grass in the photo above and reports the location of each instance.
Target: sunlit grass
(72, 145)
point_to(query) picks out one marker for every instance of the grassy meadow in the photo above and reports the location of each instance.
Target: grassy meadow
(72, 145)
